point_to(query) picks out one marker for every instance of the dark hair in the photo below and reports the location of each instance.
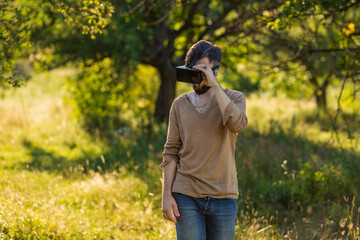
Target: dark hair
(200, 50)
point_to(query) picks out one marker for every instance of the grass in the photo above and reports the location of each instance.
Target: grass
(57, 182)
(42, 206)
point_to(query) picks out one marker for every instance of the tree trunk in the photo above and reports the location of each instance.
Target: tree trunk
(166, 92)
(320, 91)
(320, 96)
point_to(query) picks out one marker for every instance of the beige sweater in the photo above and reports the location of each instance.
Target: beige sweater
(203, 145)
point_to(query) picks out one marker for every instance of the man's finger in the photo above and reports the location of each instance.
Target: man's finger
(176, 210)
(171, 217)
(200, 68)
(168, 216)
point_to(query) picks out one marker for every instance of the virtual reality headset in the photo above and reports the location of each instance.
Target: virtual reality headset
(190, 75)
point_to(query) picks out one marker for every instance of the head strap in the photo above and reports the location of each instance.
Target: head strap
(216, 67)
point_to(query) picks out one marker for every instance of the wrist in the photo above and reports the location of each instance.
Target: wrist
(216, 87)
(167, 194)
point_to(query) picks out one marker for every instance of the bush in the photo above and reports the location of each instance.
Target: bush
(97, 94)
(110, 104)
(309, 186)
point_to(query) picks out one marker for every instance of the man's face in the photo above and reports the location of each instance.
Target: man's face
(202, 87)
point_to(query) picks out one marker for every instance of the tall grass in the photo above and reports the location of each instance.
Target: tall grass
(57, 182)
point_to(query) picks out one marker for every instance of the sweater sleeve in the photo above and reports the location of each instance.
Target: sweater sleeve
(235, 113)
(173, 141)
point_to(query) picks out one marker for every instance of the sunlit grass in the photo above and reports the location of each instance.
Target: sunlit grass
(41, 204)
(58, 182)
(108, 206)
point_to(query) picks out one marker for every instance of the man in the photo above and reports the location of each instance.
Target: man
(200, 181)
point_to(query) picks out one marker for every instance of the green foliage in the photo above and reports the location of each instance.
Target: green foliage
(309, 186)
(296, 48)
(108, 103)
(14, 36)
(320, 37)
(98, 97)
(239, 81)
(21, 21)
(293, 83)
(91, 16)
(292, 11)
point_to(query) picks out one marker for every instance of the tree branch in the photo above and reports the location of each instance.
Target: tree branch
(335, 13)
(166, 15)
(131, 11)
(189, 20)
(332, 49)
(355, 34)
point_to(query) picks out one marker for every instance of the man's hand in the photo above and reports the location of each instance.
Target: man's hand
(169, 208)
(211, 81)
(210, 77)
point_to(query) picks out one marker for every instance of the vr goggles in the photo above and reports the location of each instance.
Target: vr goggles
(190, 75)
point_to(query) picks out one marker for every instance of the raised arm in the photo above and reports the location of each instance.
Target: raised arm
(233, 110)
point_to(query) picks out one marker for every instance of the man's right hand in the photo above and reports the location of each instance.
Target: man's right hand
(169, 208)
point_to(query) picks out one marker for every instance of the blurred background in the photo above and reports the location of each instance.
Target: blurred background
(85, 91)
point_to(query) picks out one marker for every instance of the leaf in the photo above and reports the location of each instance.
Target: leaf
(351, 27)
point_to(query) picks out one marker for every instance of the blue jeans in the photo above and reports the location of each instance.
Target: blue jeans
(205, 218)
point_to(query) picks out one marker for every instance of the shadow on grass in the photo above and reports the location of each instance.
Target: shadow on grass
(268, 157)
(262, 158)
(45, 160)
(314, 173)
(113, 159)
(346, 122)
(140, 156)
(260, 155)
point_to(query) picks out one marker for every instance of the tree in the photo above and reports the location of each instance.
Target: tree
(153, 32)
(13, 36)
(176, 25)
(158, 33)
(21, 19)
(320, 37)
